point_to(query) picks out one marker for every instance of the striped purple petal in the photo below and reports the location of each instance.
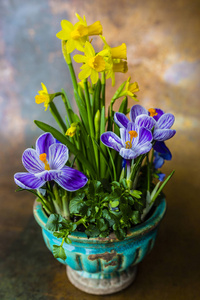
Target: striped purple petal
(44, 142)
(58, 156)
(71, 179)
(49, 175)
(31, 161)
(121, 120)
(166, 121)
(137, 110)
(144, 148)
(163, 134)
(128, 153)
(28, 181)
(145, 135)
(160, 112)
(111, 140)
(145, 121)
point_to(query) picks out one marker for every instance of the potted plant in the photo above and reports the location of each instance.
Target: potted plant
(99, 191)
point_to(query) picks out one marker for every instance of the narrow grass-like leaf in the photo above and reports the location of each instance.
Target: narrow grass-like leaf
(162, 186)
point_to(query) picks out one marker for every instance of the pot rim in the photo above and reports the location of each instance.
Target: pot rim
(142, 229)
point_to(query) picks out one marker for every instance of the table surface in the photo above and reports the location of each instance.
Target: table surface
(164, 58)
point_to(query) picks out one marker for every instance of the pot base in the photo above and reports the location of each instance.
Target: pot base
(99, 283)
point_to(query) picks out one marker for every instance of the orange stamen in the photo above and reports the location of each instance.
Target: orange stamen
(152, 112)
(43, 158)
(133, 134)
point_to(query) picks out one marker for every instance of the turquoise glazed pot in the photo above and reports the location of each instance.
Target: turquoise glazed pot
(104, 265)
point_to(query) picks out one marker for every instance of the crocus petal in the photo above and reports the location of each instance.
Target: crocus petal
(125, 136)
(160, 112)
(132, 126)
(137, 110)
(158, 161)
(166, 121)
(31, 161)
(145, 135)
(145, 121)
(58, 156)
(161, 176)
(128, 153)
(28, 181)
(111, 140)
(44, 142)
(163, 134)
(71, 179)
(49, 175)
(121, 120)
(144, 148)
(163, 150)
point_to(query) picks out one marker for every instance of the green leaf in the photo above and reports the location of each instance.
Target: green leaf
(54, 222)
(136, 217)
(114, 203)
(123, 106)
(82, 110)
(76, 203)
(59, 252)
(92, 231)
(102, 224)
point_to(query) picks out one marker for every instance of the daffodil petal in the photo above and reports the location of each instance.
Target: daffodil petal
(62, 35)
(85, 73)
(66, 25)
(94, 76)
(79, 58)
(89, 50)
(70, 46)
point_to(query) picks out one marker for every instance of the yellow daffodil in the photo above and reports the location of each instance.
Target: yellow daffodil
(116, 59)
(76, 35)
(118, 52)
(72, 130)
(130, 89)
(43, 97)
(92, 63)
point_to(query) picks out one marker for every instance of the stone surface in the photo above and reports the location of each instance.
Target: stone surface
(162, 40)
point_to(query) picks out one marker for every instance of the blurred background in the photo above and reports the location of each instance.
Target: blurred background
(163, 50)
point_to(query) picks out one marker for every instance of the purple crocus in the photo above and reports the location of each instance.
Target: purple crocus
(152, 118)
(134, 141)
(46, 163)
(161, 153)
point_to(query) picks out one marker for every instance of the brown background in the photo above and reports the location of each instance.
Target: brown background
(163, 49)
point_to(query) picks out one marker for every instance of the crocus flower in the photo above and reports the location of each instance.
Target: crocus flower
(152, 118)
(134, 141)
(161, 153)
(46, 163)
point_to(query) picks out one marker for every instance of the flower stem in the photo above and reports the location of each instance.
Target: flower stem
(90, 121)
(57, 200)
(103, 89)
(65, 204)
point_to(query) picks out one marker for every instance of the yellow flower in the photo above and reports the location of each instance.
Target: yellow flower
(118, 52)
(76, 35)
(116, 59)
(130, 89)
(72, 130)
(43, 97)
(93, 63)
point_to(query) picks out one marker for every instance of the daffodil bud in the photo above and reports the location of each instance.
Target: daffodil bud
(97, 119)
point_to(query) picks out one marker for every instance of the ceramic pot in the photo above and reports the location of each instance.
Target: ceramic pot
(104, 265)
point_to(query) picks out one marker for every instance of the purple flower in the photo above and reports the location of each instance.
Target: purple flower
(152, 118)
(134, 141)
(161, 176)
(47, 163)
(161, 154)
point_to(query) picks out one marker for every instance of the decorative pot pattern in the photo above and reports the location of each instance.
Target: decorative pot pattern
(104, 265)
